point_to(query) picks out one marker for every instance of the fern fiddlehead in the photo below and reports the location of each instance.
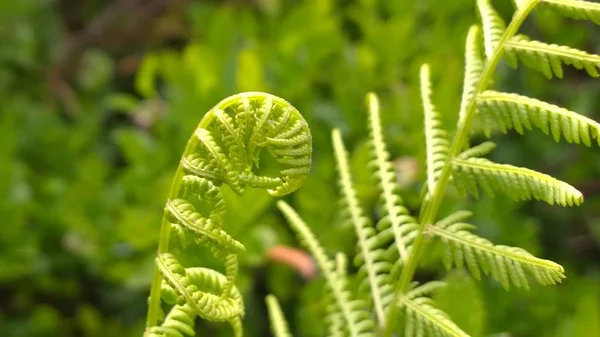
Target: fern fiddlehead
(224, 149)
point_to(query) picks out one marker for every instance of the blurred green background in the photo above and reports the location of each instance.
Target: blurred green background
(97, 99)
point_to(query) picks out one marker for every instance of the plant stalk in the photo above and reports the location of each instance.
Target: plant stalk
(461, 136)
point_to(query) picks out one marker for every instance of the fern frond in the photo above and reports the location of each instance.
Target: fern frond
(516, 182)
(279, 325)
(576, 9)
(473, 68)
(224, 148)
(436, 138)
(372, 263)
(512, 111)
(549, 58)
(422, 318)
(505, 264)
(358, 321)
(395, 223)
(493, 26)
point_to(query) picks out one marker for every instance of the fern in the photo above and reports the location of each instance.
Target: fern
(505, 264)
(516, 182)
(549, 58)
(511, 111)
(279, 325)
(358, 321)
(422, 318)
(223, 149)
(436, 138)
(226, 147)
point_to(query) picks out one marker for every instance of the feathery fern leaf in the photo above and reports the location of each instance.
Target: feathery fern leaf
(548, 58)
(493, 26)
(473, 68)
(576, 9)
(334, 318)
(395, 225)
(422, 318)
(279, 325)
(517, 182)
(436, 138)
(505, 264)
(371, 262)
(358, 321)
(512, 111)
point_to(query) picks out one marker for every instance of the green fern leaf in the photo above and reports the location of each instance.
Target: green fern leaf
(358, 321)
(512, 111)
(436, 138)
(279, 326)
(505, 264)
(548, 58)
(576, 9)
(473, 68)
(422, 318)
(372, 261)
(493, 26)
(395, 222)
(516, 182)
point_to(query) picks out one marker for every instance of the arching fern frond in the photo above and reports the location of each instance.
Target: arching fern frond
(576, 9)
(473, 67)
(279, 326)
(493, 26)
(395, 222)
(436, 138)
(479, 150)
(549, 58)
(358, 321)
(519, 183)
(371, 258)
(422, 318)
(505, 264)
(512, 111)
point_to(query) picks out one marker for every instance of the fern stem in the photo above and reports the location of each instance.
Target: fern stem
(460, 138)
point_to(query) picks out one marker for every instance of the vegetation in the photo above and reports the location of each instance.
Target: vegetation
(99, 99)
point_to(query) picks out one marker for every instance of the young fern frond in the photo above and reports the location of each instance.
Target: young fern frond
(505, 264)
(224, 149)
(473, 68)
(493, 26)
(279, 325)
(576, 9)
(371, 259)
(511, 111)
(436, 138)
(422, 318)
(471, 175)
(549, 58)
(358, 321)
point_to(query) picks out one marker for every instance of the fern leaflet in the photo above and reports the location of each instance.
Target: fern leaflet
(512, 111)
(422, 318)
(436, 138)
(505, 264)
(576, 9)
(473, 68)
(493, 26)
(517, 182)
(548, 58)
